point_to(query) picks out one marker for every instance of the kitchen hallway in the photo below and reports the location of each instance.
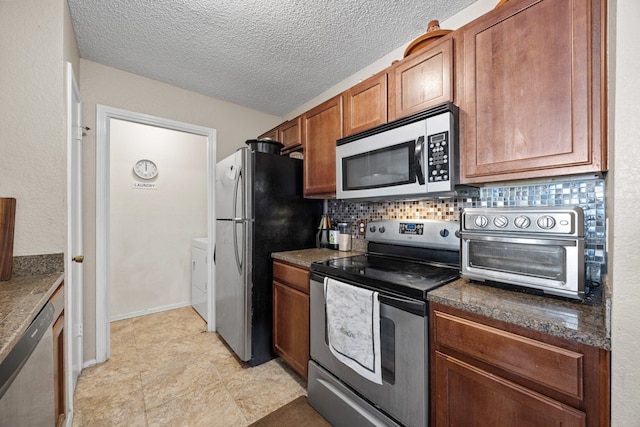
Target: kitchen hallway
(165, 369)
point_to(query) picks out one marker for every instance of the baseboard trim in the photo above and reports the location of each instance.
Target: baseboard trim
(149, 311)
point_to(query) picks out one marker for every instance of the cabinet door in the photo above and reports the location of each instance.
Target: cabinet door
(321, 127)
(465, 395)
(365, 104)
(271, 134)
(532, 91)
(291, 326)
(421, 81)
(290, 134)
(58, 369)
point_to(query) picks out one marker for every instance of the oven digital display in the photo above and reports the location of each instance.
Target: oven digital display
(411, 228)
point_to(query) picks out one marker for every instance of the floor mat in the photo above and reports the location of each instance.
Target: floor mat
(296, 413)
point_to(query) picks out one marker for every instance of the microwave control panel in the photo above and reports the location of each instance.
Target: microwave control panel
(438, 157)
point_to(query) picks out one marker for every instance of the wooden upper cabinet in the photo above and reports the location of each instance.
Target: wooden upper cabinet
(532, 103)
(270, 134)
(290, 134)
(321, 127)
(365, 104)
(422, 80)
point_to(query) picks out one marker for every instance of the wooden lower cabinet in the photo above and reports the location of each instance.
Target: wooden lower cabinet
(291, 315)
(58, 355)
(488, 372)
(470, 396)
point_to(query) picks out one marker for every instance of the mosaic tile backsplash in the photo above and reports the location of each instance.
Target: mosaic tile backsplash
(589, 194)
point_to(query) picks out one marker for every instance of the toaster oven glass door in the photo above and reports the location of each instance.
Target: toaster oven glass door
(524, 259)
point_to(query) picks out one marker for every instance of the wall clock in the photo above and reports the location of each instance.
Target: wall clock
(145, 169)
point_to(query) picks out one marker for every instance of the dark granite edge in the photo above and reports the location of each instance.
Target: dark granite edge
(34, 300)
(34, 265)
(527, 321)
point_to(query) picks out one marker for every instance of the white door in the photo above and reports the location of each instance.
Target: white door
(73, 284)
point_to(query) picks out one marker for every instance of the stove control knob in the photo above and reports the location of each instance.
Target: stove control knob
(444, 232)
(546, 222)
(381, 229)
(481, 221)
(372, 228)
(522, 222)
(501, 221)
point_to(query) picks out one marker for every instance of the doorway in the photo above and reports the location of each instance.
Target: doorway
(108, 121)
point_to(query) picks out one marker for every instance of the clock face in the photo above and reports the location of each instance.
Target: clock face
(145, 169)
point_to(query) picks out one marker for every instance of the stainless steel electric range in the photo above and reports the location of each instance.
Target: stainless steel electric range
(404, 261)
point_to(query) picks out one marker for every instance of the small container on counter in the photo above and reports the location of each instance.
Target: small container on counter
(344, 237)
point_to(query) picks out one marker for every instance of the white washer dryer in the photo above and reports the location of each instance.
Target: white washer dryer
(199, 285)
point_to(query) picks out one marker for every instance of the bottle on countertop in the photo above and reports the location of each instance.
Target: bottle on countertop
(333, 235)
(323, 233)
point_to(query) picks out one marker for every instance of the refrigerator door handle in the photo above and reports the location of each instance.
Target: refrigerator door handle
(239, 261)
(235, 195)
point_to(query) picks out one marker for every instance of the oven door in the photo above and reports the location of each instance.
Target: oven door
(553, 266)
(403, 393)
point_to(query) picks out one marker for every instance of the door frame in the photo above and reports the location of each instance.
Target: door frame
(103, 116)
(74, 344)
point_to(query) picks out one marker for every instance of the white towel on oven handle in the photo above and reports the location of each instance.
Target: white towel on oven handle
(353, 327)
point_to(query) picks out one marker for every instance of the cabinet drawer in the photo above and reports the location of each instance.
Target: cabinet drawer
(545, 364)
(295, 277)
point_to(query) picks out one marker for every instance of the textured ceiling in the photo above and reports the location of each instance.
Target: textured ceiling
(269, 55)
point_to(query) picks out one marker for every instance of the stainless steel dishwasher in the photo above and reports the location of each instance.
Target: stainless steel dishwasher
(26, 376)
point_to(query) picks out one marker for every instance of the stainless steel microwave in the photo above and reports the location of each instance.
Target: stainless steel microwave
(412, 157)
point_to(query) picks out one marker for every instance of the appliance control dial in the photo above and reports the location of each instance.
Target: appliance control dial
(381, 229)
(444, 232)
(546, 222)
(522, 222)
(372, 228)
(481, 221)
(501, 221)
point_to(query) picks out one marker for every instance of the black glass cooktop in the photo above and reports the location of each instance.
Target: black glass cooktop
(405, 277)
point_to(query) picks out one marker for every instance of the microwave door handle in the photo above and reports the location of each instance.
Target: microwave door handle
(418, 154)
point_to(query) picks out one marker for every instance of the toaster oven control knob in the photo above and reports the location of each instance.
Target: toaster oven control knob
(444, 232)
(381, 229)
(372, 228)
(481, 221)
(546, 222)
(522, 222)
(501, 221)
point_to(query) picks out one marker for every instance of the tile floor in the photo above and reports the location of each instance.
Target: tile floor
(166, 370)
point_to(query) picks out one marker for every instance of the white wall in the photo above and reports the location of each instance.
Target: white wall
(624, 205)
(151, 230)
(111, 87)
(35, 40)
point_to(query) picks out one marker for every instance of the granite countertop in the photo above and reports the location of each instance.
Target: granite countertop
(304, 257)
(34, 280)
(580, 322)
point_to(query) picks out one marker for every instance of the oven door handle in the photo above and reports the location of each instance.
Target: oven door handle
(412, 306)
(523, 240)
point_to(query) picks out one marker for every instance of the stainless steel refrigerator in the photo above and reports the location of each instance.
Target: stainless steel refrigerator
(259, 210)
